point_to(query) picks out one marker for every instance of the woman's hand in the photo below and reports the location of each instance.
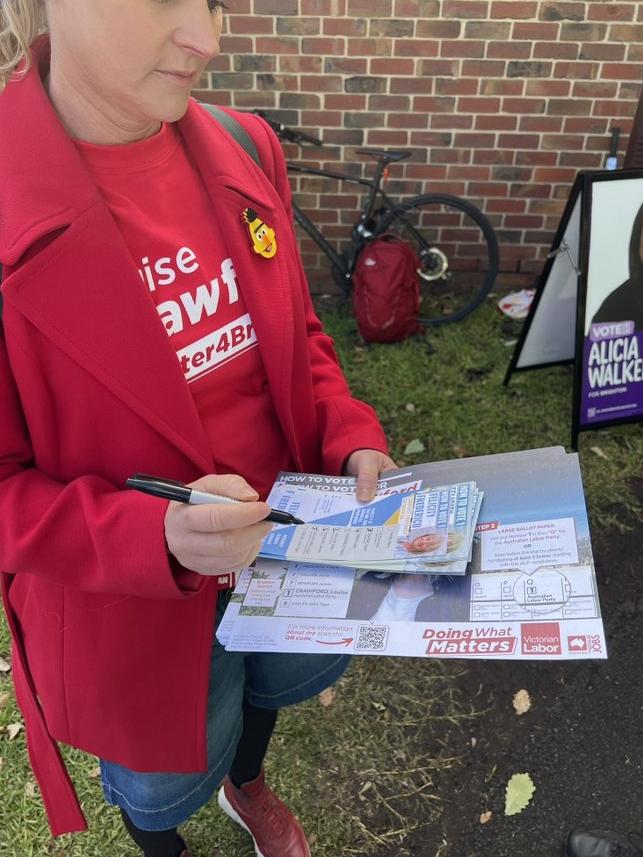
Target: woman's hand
(217, 538)
(367, 464)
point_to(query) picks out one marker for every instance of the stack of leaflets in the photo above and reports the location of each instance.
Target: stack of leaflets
(418, 531)
(530, 592)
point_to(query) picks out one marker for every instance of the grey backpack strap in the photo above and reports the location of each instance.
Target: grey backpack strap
(235, 129)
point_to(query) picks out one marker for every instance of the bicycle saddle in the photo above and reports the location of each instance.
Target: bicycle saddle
(386, 154)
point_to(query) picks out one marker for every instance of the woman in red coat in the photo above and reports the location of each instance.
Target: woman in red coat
(145, 329)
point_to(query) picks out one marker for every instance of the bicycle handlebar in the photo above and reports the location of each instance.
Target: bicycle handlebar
(290, 134)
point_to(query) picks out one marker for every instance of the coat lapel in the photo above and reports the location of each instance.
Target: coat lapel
(86, 296)
(264, 285)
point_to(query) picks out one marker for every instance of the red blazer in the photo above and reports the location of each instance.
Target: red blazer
(111, 645)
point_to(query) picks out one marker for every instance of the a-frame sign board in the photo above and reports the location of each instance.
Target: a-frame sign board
(588, 306)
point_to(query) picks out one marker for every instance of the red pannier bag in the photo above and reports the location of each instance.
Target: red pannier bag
(386, 290)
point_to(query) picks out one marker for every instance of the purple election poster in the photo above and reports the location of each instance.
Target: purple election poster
(612, 371)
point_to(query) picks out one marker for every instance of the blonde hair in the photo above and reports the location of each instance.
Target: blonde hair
(20, 22)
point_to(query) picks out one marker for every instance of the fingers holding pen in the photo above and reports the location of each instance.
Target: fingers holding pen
(226, 543)
(211, 538)
(217, 539)
(215, 518)
(216, 554)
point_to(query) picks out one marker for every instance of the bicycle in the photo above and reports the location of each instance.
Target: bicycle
(455, 243)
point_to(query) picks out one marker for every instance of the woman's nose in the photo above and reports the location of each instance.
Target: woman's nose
(199, 29)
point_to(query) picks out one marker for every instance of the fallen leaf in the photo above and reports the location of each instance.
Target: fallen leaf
(474, 741)
(414, 447)
(599, 452)
(461, 451)
(95, 773)
(378, 706)
(5, 666)
(521, 702)
(509, 342)
(13, 729)
(326, 697)
(486, 816)
(30, 789)
(4, 699)
(519, 792)
(410, 407)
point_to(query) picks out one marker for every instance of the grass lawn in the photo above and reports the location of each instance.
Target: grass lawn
(364, 771)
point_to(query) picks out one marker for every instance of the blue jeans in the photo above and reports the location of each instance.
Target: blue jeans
(160, 801)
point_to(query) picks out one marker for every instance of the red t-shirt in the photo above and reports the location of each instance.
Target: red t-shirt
(167, 220)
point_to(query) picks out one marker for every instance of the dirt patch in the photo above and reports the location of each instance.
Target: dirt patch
(581, 742)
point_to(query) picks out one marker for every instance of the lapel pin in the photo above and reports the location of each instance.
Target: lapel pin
(262, 236)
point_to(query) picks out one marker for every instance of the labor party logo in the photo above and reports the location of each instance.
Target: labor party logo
(540, 638)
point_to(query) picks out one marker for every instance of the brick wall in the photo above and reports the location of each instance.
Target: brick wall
(501, 101)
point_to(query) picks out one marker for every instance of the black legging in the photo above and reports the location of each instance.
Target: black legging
(258, 726)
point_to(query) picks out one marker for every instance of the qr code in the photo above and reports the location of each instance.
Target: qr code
(371, 637)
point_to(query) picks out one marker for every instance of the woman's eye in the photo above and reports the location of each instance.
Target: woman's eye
(213, 5)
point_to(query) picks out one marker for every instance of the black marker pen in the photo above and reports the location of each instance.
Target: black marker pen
(172, 490)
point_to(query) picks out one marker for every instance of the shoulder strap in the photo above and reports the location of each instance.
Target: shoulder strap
(235, 129)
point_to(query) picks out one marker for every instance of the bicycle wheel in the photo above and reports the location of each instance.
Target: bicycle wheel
(457, 249)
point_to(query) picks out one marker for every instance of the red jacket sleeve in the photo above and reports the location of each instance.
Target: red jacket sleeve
(345, 423)
(87, 534)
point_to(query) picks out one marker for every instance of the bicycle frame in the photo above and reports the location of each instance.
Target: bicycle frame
(343, 262)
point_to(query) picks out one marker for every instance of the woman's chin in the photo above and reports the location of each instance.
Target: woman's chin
(171, 106)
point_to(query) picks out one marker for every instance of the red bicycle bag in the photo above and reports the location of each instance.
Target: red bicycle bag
(386, 290)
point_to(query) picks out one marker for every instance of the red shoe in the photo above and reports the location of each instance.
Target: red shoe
(275, 830)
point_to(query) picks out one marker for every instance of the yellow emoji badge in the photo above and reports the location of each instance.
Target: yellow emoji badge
(263, 238)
